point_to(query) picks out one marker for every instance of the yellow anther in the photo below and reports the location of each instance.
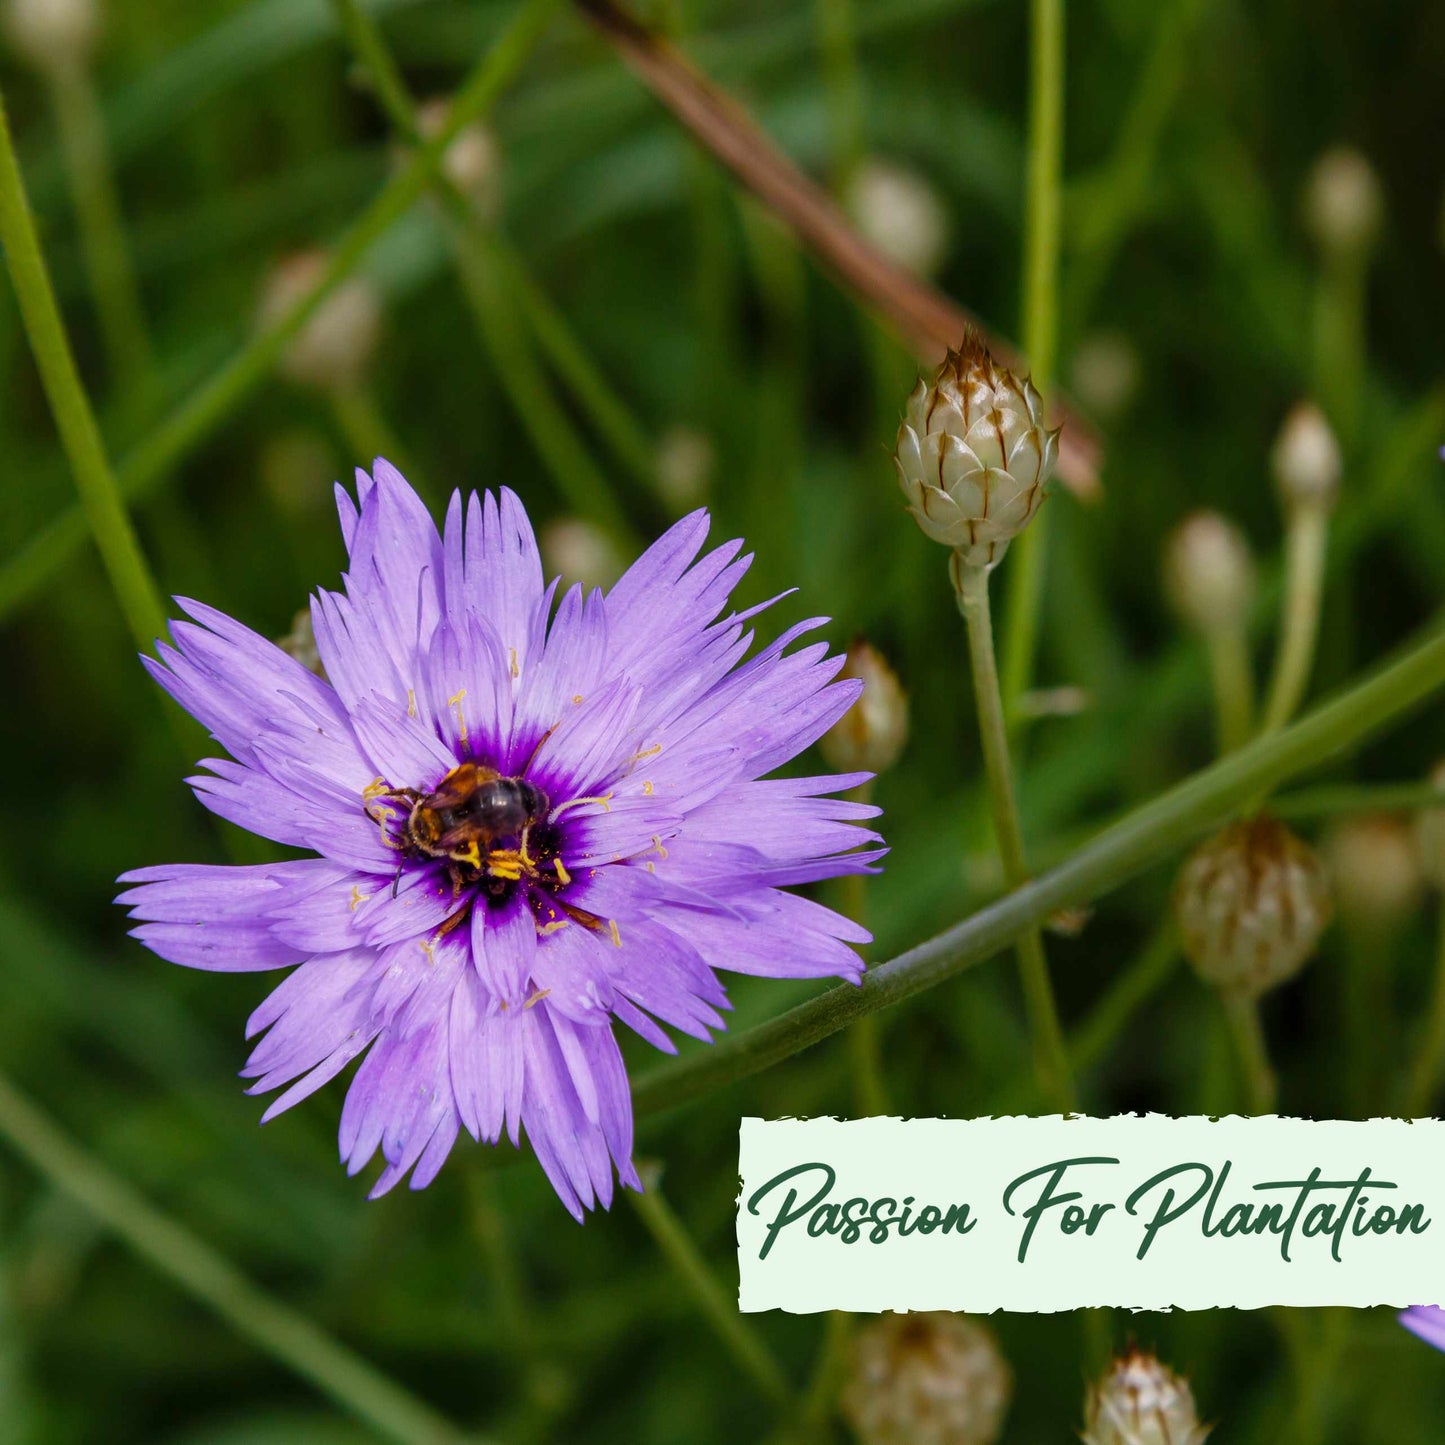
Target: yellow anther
(537, 997)
(657, 843)
(616, 933)
(470, 855)
(411, 702)
(512, 662)
(357, 897)
(455, 700)
(376, 788)
(604, 802)
(577, 698)
(547, 928)
(563, 876)
(426, 949)
(651, 867)
(647, 790)
(651, 752)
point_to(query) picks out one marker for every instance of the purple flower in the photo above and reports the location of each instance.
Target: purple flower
(528, 825)
(1427, 1321)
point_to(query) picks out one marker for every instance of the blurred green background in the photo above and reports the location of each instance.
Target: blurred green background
(1197, 305)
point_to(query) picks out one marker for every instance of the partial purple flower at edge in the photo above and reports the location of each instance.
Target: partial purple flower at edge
(1426, 1321)
(480, 988)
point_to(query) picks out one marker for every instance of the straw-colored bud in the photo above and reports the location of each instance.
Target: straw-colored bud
(473, 161)
(869, 737)
(900, 213)
(685, 460)
(1141, 1402)
(1430, 834)
(1306, 459)
(300, 643)
(578, 551)
(53, 34)
(1105, 373)
(1374, 869)
(1343, 202)
(1209, 574)
(335, 347)
(974, 455)
(926, 1379)
(1251, 904)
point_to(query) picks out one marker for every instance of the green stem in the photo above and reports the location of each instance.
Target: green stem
(1051, 1063)
(1343, 798)
(1147, 835)
(1233, 687)
(273, 1327)
(120, 550)
(1248, 1034)
(842, 88)
(1430, 1060)
(1305, 546)
(1042, 204)
(365, 432)
(721, 1312)
(870, 1098)
(102, 234)
(1154, 965)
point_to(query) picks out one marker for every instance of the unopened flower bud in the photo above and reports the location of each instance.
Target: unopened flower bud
(578, 551)
(974, 455)
(1374, 870)
(53, 34)
(1430, 834)
(334, 348)
(870, 735)
(900, 213)
(1343, 204)
(1105, 373)
(1209, 574)
(685, 461)
(1306, 459)
(473, 161)
(300, 643)
(1252, 903)
(1141, 1402)
(926, 1379)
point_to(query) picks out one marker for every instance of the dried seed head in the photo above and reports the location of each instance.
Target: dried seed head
(684, 468)
(1209, 574)
(1141, 1402)
(869, 737)
(1430, 834)
(335, 347)
(578, 551)
(974, 455)
(1251, 904)
(1105, 373)
(900, 213)
(53, 34)
(926, 1379)
(1374, 869)
(1343, 203)
(300, 643)
(1306, 459)
(473, 161)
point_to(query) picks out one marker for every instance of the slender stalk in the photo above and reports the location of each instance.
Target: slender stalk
(120, 550)
(1042, 205)
(1305, 546)
(102, 234)
(298, 1344)
(1233, 685)
(364, 430)
(1051, 1063)
(1430, 1060)
(1150, 970)
(1147, 835)
(1253, 1054)
(1343, 798)
(737, 1336)
(842, 88)
(870, 1097)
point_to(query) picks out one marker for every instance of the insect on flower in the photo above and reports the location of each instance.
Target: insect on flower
(527, 820)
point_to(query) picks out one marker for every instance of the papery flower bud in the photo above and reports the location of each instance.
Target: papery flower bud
(1209, 574)
(1252, 903)
(1105, 373)
(1430, 834)
(900, 213)
(870, 735)
(974, 455)
(578, 551)
(926, 1379)
(1306, 459)
(334, 348)
(473, 161)
(1343, 204)
(1374, 869)
(300, 643)
(1141, 1402)
(53, 34)
(685, 461)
